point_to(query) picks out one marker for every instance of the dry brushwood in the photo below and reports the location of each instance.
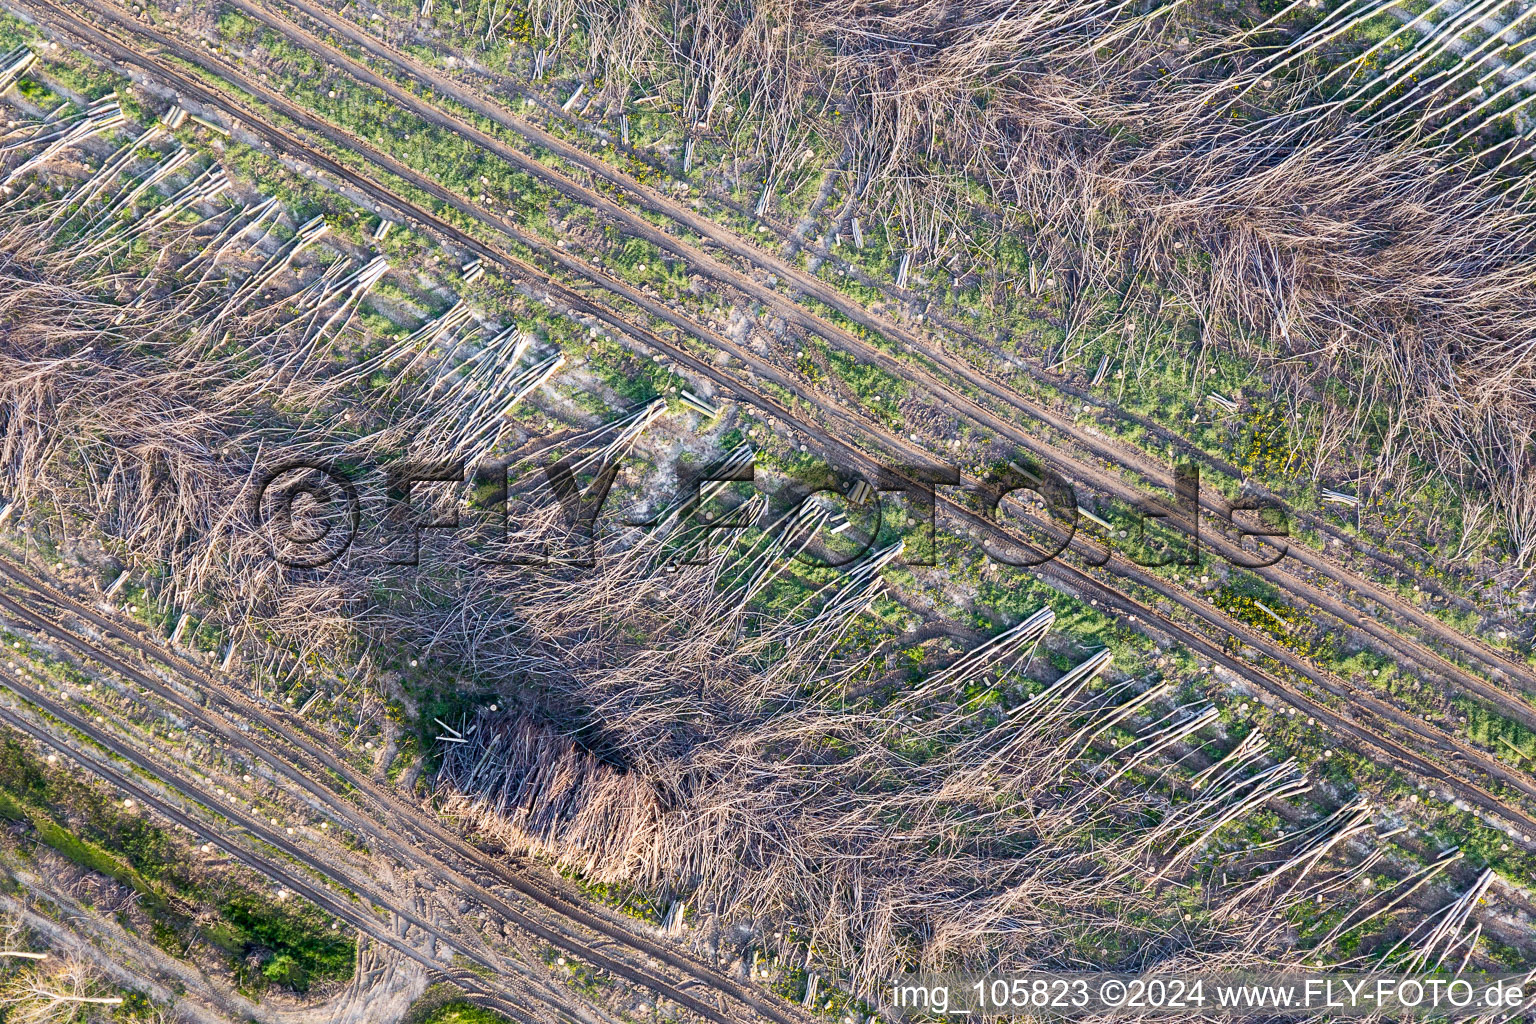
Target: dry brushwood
(705, 748)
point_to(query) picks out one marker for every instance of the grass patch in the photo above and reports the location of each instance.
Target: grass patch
(288, 943)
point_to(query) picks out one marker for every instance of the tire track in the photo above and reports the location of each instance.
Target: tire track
(319, 895)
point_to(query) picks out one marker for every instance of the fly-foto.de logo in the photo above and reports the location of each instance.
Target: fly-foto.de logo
(316, 513)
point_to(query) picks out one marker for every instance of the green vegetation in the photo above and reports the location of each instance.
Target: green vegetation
(445, 1004)
(1508, 739)
(1259, 605)
(288, 943)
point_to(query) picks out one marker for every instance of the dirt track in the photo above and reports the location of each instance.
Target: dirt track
(298, 881)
